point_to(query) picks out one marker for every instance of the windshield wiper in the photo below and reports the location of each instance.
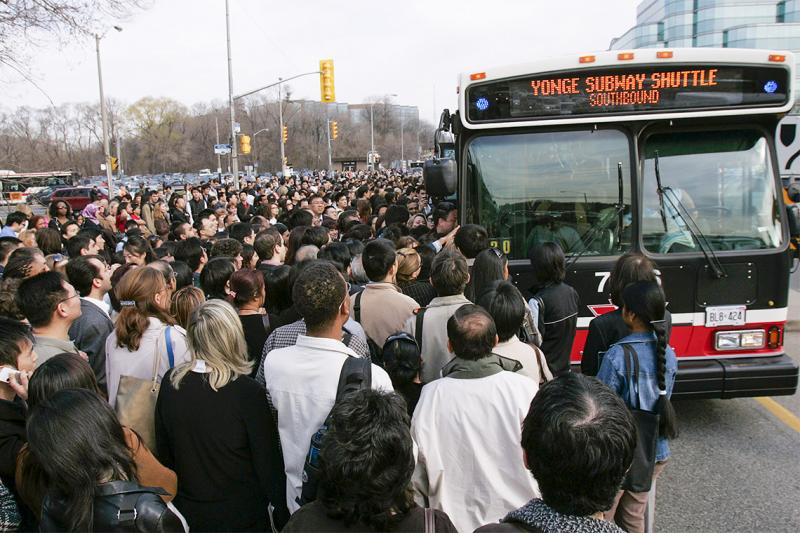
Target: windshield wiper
(677, 208)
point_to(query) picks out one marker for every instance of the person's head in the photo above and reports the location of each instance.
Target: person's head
(364, 208)
(183, 274)
(306, 252)
(25, 263)
(471, 239)
(165, 268)
(62, 371)
(77, 439)
(214, 277)
(69, 230)
(320, 296)
(630, 268)
(506, 304)
(7, 246)
(242, 232)
(215, 336)
(643, 309)
(47, 298)
(206, 224)
(449, 273)
(409, 265)
(184, 301)
(142, 293)
(401, 358)
(138, 251)
(548, 262)
(182, 231)
(90, 275)
(228, 248)
(192, 253)
(317, 205)
(471, 332)
(339, 254)
(578, 439)
(379, 260)
(366, 461)
(269, 246)
(16, 345)
(48, 241)
(490, 265)
(317, 236)
(81, 245)
(17, 221)
(60, 210)
(247, 289)
(300, 217)
(444, 218)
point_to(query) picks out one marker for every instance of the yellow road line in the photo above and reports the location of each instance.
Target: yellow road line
(780, 412)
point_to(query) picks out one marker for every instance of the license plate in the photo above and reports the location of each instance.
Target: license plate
(729, 315)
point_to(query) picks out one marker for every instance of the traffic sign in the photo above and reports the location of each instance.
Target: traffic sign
(222, 149)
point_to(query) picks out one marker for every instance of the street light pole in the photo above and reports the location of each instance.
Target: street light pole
(402, 144)
(104, 117)
(280, 120)
(330, 159)
(254, 142)
(234, 147)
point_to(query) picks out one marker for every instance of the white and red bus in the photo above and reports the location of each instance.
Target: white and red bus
(667, 152)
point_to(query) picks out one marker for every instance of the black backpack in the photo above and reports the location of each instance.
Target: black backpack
(375, 351)
(356, 374)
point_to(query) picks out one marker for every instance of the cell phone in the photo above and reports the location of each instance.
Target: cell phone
(6, 373)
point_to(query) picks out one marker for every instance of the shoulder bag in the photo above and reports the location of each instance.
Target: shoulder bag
(640, 475)
(136, 397)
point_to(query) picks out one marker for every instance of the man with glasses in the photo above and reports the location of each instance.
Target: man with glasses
(51, 305)
(91, 278)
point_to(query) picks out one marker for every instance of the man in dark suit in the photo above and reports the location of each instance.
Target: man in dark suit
(91, 277)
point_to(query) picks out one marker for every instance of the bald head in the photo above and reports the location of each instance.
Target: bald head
(472, 332)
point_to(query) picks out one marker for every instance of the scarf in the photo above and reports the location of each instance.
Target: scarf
(539, 515)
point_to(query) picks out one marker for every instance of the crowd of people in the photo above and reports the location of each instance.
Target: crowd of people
(317, 353)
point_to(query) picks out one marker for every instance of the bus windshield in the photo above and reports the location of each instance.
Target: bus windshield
(723, 180)
(565, 187)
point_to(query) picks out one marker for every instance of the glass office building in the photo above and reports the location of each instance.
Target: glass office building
(714, 23)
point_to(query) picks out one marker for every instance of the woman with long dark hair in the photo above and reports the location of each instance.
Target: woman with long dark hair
(247, 296)
(643, 311)
(137, 250)
(60, 213)
(490, 266)
(76, 438)
(607, 329)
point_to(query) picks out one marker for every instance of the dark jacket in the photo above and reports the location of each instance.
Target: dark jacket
(118, 506)
(604, 331)
(196, 207)
(557, 324)
(176, 215)
(89, 333)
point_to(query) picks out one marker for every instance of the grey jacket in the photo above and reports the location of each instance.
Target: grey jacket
(434, 334)
(89, 333)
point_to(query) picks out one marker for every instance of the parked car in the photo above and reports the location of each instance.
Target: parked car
(77, 197)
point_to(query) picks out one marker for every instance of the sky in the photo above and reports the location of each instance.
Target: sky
(412, 48)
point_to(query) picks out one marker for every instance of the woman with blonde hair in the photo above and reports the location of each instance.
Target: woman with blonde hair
(408, 270)
(143, 331)
(215, 430)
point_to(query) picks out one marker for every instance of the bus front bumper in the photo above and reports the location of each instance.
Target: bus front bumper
(736, 377)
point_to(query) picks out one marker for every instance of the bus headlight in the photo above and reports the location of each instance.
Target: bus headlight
(750, 339)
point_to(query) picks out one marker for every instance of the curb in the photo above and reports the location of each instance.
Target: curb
(793, 325)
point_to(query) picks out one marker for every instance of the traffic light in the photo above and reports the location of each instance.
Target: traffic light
(285, 134)
(334, 130)
(244, 144)
(326, 89)
(114, 164)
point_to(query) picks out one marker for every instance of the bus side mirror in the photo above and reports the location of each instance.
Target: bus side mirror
(441, 177)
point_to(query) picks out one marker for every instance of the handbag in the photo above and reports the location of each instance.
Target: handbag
(136, 397)
(640, 474)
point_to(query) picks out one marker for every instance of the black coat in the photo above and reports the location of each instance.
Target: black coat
(89, 333)
(558, 324)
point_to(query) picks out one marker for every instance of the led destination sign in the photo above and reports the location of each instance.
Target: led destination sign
(618, 91)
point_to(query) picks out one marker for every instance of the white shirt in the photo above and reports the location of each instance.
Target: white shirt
(104, 307)
(469, 461)
(302, 382)
(515, 349)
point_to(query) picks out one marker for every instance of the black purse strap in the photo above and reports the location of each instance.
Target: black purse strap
(357, 307)
(630, 354)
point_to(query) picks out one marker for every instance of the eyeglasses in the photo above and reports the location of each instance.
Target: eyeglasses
(76, 295)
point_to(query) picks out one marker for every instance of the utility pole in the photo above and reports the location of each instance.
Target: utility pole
(234, 147)
(104, 116)
(120, 172)
(280, 120)
(330, 159)
(402, 144)
(219, 156)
